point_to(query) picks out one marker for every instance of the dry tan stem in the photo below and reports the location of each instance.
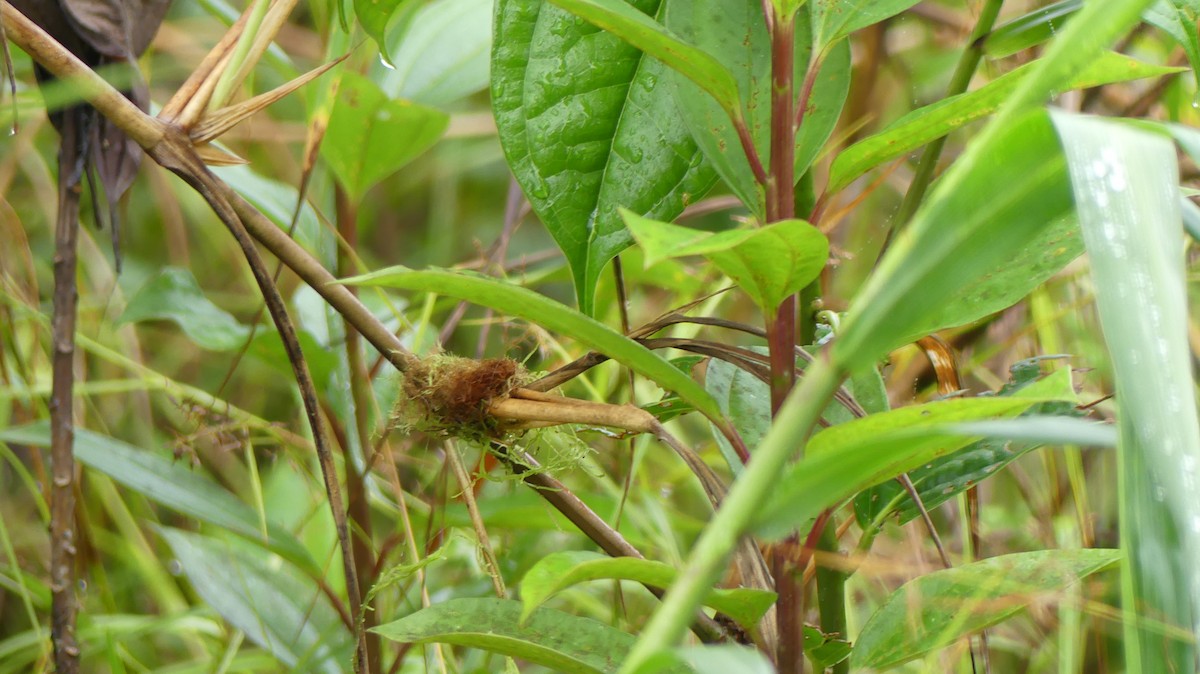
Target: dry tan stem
(624, 417)
(214, 124)
(481, 534)
(197, 89)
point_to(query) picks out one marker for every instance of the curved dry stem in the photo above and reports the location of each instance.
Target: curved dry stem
(175, 154)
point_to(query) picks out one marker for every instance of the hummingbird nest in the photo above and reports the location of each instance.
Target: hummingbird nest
(450, 396)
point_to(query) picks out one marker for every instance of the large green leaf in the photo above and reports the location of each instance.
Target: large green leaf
(554, 639)
(524, 303)
(560, 570)
(938, 119)
(171, 483)
(941, 607)
(1125, 188)
(587, 125)
(844, 459)
(442, 55)
(735, 32)
(634, 27)
(963, 234)
(285, 613)
(768, 263)
(371, 136)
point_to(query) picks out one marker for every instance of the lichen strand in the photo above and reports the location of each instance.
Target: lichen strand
(449, 395)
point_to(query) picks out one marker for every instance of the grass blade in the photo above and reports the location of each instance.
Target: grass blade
(1125, 191)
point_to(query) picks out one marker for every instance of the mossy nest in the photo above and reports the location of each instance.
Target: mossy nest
(449, 395)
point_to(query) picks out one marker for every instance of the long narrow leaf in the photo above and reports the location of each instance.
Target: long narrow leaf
(1125, 189)
(524, 303)
(172, 484)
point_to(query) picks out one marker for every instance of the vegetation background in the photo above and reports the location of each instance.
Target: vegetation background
(204, 538)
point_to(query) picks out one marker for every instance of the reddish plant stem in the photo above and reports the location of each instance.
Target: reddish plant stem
(781, 328)
(747, 142)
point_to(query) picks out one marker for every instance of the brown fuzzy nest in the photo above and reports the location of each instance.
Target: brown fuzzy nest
(449, 395)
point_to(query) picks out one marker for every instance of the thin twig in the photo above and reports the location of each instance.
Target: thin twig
(177, 156)
(481, 534)
(62, 417)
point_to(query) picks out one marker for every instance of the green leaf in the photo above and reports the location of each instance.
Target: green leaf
(560, 570)
(835, 19)
(554, 639)
(1081, 42)
(940, 480)
(735, 33)
(442, 56)
(551, 315)
(287, 614)
(960, 236)
(375, 16)
(767, 263)
(277, 201)
(1045, 429)
(831, 86)
(662, 240)
(171, 483)
(941, 607)
(744, 399)
(649, 36)
(371, 136)
(174, 295)
(948, 244)
(926, 124)
(723, 659)
(1125, 189)
(775, 261)
(582, 139)
(1030, 30)
(844, 459)
(822, 650)
(1178, 20)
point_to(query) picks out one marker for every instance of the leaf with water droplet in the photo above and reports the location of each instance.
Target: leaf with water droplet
(375, 16)
(371, 136)
(441, 56)
(1030, 29)
(1124, 181)
(587, 127)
